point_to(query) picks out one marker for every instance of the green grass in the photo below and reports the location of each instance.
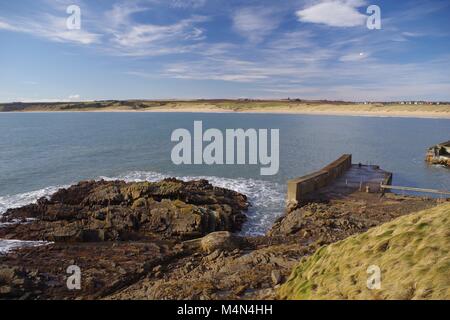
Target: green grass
(413, 253)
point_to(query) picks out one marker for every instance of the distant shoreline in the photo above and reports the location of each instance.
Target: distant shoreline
(427, 115)
(413, 115)
(245, 107)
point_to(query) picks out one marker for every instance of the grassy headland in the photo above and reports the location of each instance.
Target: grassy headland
(413, 253)
(250, 106)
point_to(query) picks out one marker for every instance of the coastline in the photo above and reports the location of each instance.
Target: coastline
(380, 114)
(286, 111)
(326, 108)
(168, 257)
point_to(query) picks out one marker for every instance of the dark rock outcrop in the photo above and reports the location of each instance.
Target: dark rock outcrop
(173, 240)
(115, 210)
(439, 154)
(327, 223)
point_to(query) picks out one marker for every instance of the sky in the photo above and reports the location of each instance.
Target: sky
(188, 49)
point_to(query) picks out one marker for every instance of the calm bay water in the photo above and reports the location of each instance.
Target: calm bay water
(40, 152)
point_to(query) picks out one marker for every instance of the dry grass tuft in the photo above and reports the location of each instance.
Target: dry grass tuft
(413, 253)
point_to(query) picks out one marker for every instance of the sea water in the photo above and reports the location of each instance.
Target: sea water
(42, 152)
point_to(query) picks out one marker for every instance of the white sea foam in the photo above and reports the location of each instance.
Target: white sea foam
(19, 200)
(16, 221)
(22, 199)
(9, 245)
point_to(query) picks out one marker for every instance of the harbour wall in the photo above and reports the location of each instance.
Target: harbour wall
(299, 187)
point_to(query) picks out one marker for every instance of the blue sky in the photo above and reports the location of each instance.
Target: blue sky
(161, 49)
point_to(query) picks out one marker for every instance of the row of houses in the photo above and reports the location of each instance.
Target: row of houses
(407, 102)
(420, 102)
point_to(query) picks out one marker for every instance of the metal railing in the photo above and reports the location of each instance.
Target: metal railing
(383, 186)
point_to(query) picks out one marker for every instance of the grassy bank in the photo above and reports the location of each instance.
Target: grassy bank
(413, 253)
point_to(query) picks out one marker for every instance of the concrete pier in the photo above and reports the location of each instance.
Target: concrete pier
(338, 178)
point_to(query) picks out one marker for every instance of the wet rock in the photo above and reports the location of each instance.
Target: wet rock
(240, 290)
(94, 211)
(276, 277)
(6, 290)
(213, 256)
(291, 206)
(220, 241)
(157, 269)
(7, 274)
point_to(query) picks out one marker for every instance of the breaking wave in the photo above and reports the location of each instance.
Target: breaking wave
(9, 245)
(22, 199)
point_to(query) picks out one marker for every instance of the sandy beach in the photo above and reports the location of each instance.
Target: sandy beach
(306, 111)
(441, 111)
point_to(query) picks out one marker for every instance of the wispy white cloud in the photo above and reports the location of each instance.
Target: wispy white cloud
(141, 74)
(293, 40)
(281, 57)
(376, 81)
(255, 23)
(188, 3)
(354, 56)
(121, 13)
(6, 26)
(142, 35)
(49, 27)
(126, 37)
(334, 13)
(117, 32)
(345, 68)
(224, 69)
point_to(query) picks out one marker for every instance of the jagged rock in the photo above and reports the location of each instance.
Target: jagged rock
(213, 256)
(220, 241)
(7, 274)
(115, 210)
(291, 205)
(276, 277)
(323, 223)
(161, 260)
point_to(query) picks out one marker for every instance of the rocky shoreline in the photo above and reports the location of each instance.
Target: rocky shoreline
(439, 154)
(173, 240)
